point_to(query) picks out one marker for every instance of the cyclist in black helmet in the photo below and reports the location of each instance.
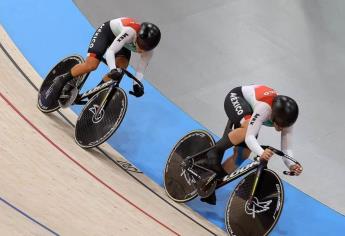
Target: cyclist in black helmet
(248, 108)
(115, 40)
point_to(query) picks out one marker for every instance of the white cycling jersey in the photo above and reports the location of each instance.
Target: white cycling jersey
(125, 29)
(260, 98)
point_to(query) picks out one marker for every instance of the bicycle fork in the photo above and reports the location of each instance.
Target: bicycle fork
(104, 101)
(109, 93)
(256, 181)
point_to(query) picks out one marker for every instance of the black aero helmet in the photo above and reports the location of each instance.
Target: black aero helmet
(284, 111)
(149, 36)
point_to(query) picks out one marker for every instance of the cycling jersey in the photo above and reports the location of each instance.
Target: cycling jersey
(117, 37)
(254, 103)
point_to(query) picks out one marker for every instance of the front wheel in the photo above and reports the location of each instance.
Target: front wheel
(259, 217)
(48, 98)
(178, 183)
(92, 130)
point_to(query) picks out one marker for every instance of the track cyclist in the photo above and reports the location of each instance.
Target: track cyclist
(115, 40)
(248, 108)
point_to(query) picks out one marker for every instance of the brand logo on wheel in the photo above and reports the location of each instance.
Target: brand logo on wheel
(96, 118)
(257, 207)
(51, 87)
(189, 178)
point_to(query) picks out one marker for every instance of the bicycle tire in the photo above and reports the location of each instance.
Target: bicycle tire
(259, 219)
(91, 131)
(176, 185)
(49, 104)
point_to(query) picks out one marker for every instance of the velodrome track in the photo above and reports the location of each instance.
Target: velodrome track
(301, 214)
(49, 185)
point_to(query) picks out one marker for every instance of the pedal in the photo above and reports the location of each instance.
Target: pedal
(65, 100)
(210, 179)
(207, 184)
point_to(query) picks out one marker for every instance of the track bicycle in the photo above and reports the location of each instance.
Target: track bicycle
(104, 106)
(254, 206)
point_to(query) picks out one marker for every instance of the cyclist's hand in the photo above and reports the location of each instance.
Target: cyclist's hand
(266, 155)
(138, 91)
(115, 74)
(297, 169)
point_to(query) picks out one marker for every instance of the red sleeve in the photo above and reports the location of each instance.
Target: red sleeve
(130, 22)
(265, 94)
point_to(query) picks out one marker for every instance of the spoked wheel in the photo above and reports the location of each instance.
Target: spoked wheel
(92, 130)
(47, 97)
(258, 218)
(179, 184)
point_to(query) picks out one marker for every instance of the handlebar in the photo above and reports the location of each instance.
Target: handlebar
(129, 74)
(282, 154)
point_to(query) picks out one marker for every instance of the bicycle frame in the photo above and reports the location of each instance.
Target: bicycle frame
(256, 164)
(110, 84)
(239, 172)
(93, 91)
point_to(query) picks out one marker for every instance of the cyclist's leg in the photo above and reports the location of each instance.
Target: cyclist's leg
(214, 161)
(215, 155)
(122, 58)
(70, 77)
(91, 63)
(99, 43)
(239, 112)
(240, 154)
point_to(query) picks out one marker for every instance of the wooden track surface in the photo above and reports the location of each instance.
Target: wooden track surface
(49, 185)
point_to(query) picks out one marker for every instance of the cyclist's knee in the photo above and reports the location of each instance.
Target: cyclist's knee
(91, 63)
(122, 62)
(237, 135)
(91, 66)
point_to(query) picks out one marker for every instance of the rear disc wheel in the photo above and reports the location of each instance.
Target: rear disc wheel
(178, 183)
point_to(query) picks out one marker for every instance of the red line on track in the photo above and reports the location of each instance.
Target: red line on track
(81, 166)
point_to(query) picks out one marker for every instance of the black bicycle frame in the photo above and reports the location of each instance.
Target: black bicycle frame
(256, 164)
(95, 90)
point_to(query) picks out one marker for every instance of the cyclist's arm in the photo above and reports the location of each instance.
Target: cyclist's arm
(126, 36)
(286, 144)
(260, 115)
(145, 58)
